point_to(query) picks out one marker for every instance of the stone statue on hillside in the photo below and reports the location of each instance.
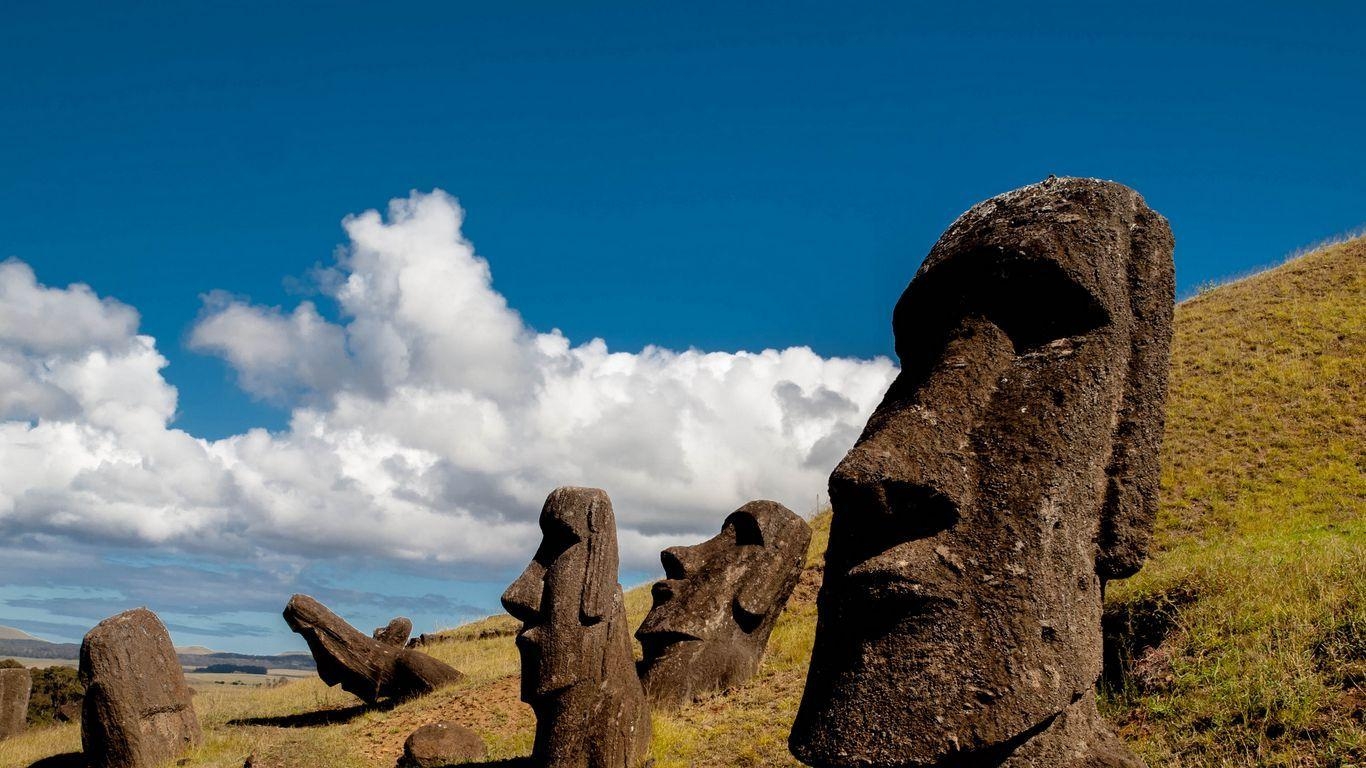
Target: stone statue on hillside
(15, 686)
(394, 633)
(577, 669)
(368, 668)
(1010, 471)
(137, 711)
(718, 603)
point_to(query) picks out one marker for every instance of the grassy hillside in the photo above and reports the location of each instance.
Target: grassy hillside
(1243, 641)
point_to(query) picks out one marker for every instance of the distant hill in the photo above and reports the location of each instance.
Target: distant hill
(10, 633)
(193, 650)
(194, 656)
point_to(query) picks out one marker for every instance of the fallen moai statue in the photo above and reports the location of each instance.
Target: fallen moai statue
(361, 665)
(577, 671)
(716, 607)
(1010, 471)
(137, 711)
(15, 687)
(394, 633)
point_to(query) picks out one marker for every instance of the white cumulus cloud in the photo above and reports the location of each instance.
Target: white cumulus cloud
(428, 423)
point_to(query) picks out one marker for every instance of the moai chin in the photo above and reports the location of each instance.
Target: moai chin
(578, 674)
(1009, 472)
(716, 607)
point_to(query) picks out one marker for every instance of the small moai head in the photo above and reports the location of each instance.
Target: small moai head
(1010, 470)
(394, 633)
(716, 607)
(566, 592)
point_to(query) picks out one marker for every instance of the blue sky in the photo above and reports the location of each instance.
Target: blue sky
(718, 178)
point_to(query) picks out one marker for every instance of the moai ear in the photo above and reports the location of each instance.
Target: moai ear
(600, 577)
(757, 596)
(1134, 473)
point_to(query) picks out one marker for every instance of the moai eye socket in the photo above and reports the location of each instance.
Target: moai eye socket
(747, 530)
(556, 538)
(1032, 300)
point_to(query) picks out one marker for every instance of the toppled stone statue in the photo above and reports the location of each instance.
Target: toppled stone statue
(137, 711)
(394, 633)
(441, 744)
(577, 670)
(716, 607)
(1009, 472)
(15, 686)
(364, 666)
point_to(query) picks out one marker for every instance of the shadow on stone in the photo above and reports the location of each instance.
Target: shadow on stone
(320, 717)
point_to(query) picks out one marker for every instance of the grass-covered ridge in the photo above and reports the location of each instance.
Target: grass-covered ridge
(1247, 626)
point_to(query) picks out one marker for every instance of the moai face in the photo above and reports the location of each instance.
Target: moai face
(577, 670)
(715, 609)
(1010, 470)
(565, 593)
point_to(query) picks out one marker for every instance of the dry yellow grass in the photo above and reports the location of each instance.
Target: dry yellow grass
(1263, 520)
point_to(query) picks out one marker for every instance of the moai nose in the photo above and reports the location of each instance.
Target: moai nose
(523, 597)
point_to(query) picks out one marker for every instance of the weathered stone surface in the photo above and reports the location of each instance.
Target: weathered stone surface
(394, 633)
(15, 686)
(137, 711)
(716, 607)
(69, 713)
(441, 744)
(577, 671)
(1009, 472)
(361, 665)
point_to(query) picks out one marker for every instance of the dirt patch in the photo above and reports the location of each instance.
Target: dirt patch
(492, 710)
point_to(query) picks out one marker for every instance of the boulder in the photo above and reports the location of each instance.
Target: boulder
(441, 744)
(137, 711)
(364, 666)
(15, 686)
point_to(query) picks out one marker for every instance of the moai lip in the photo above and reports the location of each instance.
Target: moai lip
(717, 605)
(578, 674)
(1009, 472)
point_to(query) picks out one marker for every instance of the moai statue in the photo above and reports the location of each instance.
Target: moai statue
(577, 671)
(137, 711)
(1010, 471)
(718, 602)
(363, 666)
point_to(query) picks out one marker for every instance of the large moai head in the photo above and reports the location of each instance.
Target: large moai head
(716, 607)
(1010, 470)
(577, 669)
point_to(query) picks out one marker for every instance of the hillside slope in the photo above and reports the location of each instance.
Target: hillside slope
(1242, 642)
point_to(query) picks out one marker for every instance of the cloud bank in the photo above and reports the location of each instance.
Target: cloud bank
(427, 423)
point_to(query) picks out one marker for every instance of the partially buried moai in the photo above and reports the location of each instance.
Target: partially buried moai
(137, 711)
(1009, 472)
(578, 674)
(716, 607)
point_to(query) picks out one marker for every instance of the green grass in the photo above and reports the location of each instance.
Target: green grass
(1257, 579)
